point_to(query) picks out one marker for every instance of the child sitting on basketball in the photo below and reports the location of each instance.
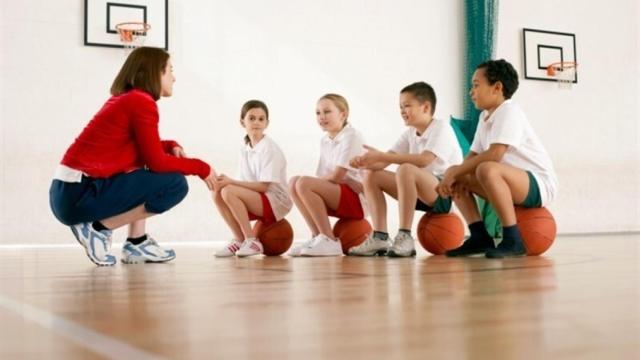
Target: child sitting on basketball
(260, 192)
(423, 152)
(507, 164)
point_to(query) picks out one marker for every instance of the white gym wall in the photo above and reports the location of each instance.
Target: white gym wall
(288, 53)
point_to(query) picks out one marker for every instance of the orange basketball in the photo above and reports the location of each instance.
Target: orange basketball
(438, 233)
(351, 232)
(275, 238)
(538, 229)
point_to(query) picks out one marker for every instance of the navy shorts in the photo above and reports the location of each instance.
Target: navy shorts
(99, 199)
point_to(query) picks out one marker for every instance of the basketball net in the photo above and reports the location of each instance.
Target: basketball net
(564, 73)
(132, 34)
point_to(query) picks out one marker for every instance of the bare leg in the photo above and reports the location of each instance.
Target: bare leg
(504, 186)
(413, 182)
(227, 216)
(241, 201)
(466, 202)
(301, 206)
(316, 195)
(128, 217)
(137, 228)
(376, 183)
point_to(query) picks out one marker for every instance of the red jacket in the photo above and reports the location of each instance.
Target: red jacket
(123, 136)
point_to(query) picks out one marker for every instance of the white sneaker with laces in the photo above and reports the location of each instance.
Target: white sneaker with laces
(96, 244)
(250, 247)
(229, 250)
(373, 246)
(403, 246)
(296, 250)
(323, 246)
(147, 251)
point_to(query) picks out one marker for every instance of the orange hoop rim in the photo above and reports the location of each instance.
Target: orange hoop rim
(141, 26)
(560, 65)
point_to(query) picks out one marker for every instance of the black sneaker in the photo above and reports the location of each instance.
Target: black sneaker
(471, 247)
(514, 248)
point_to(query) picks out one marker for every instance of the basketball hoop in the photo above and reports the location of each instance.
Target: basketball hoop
(132, 34)
(564, 72)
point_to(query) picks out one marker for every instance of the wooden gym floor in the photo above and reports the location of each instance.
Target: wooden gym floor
(581, 300)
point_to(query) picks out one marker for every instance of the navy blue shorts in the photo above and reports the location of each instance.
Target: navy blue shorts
(99, 199)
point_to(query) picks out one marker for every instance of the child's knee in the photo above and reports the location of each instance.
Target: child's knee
(302, 183)
(292, 185)
(486, 171)
(406, 170)
(226, 193)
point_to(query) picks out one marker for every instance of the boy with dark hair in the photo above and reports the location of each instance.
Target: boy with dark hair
(423, 152)
(507, 165)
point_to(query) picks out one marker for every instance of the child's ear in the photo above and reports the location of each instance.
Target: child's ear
(242, 122)
(498, 87)
(426, 107)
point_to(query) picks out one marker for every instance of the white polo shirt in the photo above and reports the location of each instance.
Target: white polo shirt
(508, 125)
(266, 163)
(346, 145)
(439, 138)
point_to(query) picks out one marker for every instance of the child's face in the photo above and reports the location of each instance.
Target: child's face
(329, 117)
(412, 111)
(255, 121)
(167, 79)
(484, 95)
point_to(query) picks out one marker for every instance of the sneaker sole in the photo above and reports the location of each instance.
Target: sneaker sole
(393, 254)
(86, 250)
(375, 253)
(247, 255)
(143, 260)
(320, 255)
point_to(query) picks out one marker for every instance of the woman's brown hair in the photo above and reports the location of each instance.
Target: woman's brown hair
(142, 70)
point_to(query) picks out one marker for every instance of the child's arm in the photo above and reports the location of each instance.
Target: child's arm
(469, 165)
(258, 186)
(374, 158)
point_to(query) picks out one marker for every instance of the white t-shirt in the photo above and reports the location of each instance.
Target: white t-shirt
(439, 139)
(508, 125)
(346, 145)
(266, 163)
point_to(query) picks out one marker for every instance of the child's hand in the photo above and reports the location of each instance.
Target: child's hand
(178, 152)
(445, 188)
(356, 162)
(371, 157)
(223, 180)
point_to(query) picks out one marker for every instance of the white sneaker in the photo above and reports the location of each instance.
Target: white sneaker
(371, 247)
(97, 244)
(323, 246)
(296, 250)
(147, 251)
(403, 246)
(250, 247)
(229, 250)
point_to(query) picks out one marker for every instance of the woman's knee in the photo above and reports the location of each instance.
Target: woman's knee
(175, 190)
(181, 187)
